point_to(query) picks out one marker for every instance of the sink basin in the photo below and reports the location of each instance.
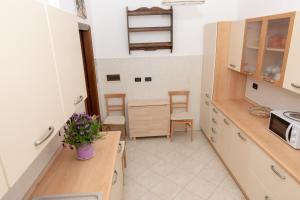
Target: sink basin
(81, 196)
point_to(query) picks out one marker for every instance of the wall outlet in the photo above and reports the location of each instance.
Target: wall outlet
(255, 86)
(138, 79)
(148, 79)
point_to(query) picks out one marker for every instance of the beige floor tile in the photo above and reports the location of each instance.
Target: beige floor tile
(166, 189)
(180, 177)
(187, 195)
(134, 169)
(149, 179)
(150, 196)
(201, 187)
(133, 191)
(163, 168)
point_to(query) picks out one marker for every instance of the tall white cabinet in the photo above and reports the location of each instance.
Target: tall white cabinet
(208, 67)
(30, 106)
(41, 80)
(67, 50)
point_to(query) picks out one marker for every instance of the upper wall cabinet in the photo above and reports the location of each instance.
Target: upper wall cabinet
(3, 184)
(67, 51)
(252, 43)
(292, 71)
(31, 110)
(236, 45)
(276, 47)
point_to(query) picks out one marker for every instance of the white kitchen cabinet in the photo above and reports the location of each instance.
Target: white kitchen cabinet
(3, 184)
(67, 51)
(292, 71)
(237, 32)
(118, 178)
(209, 59)
(31, 110)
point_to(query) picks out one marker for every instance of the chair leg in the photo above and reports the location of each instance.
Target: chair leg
(171, 131)
(192, 130)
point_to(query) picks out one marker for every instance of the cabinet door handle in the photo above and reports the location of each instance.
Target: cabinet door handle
(295, 85)
(78, 100)
(268, 197)
(277, 173)
(115, 178)
(214, 120)
(215, 111)
(45, 137)
(212, 139)
(242, 137)
(248, 73)
(207, 95)
(232, 65)
(206, 102)
(119, 147)
(226, 122)
(213, 130)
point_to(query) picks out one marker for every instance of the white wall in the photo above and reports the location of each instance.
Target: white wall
(255, 8)
(267, 94)
(110, 25)
(177, 73)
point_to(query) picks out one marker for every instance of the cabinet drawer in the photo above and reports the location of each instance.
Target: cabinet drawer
(273, 176)
(149, 112)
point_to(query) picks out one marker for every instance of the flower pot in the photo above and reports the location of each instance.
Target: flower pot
(85, 152)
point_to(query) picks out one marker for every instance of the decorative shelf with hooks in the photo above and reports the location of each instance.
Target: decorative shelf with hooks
(150, 46)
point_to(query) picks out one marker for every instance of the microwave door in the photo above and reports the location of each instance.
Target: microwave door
(288, 132)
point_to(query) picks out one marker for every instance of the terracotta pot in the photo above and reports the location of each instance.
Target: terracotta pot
(85, 152)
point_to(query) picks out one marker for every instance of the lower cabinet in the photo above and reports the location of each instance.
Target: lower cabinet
(260, 177)
(3, 184)
(118, 178)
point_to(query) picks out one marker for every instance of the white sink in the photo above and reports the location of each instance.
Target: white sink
(81, 196)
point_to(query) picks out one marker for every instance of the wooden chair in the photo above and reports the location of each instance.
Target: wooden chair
(183, 117)
(117, 121)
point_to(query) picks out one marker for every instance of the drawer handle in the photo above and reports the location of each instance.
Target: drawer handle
(277, 173)
(248, 73)
(232, 65)
(242, 137)
(295, 85)
(45, 137)
(214, 121)
(226, 122)
(268, 197)
(79, 100)
(119, 147)
(213, 130)
(115, 178)
(215, 111)
(206, 102)
(207, 95)
(212, 139)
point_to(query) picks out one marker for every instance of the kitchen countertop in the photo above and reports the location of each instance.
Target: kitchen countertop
(257, 130)
(69, 175)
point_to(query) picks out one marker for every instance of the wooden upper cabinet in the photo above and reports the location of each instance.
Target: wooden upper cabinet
(3, 184)
(237, 31)
(277, 38)
(31, 111)
(252, 46)
(292, 71)
(68, 55)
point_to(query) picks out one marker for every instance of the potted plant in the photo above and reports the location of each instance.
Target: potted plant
(80, 132)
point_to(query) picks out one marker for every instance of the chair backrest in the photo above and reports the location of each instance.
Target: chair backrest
(179, 104)
(116, 106)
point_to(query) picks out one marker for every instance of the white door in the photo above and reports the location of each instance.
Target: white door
(209, 57)
(236, 44)
(67, 51)
(292, 71)
(3, 184)
(30, 103)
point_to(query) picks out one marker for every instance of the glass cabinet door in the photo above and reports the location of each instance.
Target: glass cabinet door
(278, 36)
(251, 46)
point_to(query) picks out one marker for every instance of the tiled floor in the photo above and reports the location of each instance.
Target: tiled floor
(181, 170)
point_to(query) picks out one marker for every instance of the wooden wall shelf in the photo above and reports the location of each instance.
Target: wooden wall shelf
(150, 46)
